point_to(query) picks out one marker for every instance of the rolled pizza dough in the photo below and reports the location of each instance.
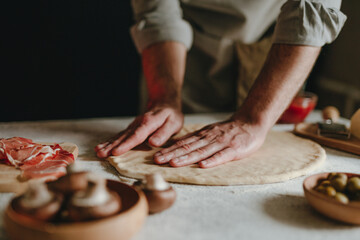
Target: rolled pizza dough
(283, 156)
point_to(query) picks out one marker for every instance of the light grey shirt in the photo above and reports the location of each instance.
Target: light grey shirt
(209, 29)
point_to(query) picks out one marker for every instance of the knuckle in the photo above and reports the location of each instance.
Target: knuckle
(137, 134)
(180, 143)
(146, 119)
(200, 151)
(221, 139)
(186, 147)
(234, 144)
(219, 155)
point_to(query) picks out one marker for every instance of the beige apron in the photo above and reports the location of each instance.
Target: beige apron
(251, 58)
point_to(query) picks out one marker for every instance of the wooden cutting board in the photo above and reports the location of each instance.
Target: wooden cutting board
(309, 130)
(10, 176)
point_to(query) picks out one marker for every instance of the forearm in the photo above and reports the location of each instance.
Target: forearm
(164, 69)
(282, 75)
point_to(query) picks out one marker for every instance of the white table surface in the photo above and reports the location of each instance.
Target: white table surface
(270, 211)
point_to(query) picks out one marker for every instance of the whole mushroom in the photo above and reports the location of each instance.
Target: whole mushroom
(72, 182)
(38, 202)
(160, 195)
(94, 202)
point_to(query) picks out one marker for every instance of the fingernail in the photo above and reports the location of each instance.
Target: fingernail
(179, 159)
(156, 140)
(160, 159)
(204, 164)
(183, 157)
(157, 154)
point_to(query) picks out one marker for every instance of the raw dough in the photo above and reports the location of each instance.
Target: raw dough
(283, 156)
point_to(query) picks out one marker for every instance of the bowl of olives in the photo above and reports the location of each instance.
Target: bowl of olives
(335, 195)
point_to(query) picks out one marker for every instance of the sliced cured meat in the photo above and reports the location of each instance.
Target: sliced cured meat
(51, 167)
(34, 159)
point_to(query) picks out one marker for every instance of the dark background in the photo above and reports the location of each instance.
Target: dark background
(67, 59)
(75, 59)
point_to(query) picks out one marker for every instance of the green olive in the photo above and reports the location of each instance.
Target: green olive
(339, 183)
(320, 189)
(325, 183)
(340, 197)
(337, 175)
(330, 191)
(353, 185)
(331, 175)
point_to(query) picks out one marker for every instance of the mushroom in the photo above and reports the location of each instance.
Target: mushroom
(38, 202)
(160, 195)
(72, 182)
(94, 202)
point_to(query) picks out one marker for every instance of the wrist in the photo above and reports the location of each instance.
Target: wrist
(256, 119)
(164, 102)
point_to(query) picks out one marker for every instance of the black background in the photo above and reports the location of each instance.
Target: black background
(75, 59)
(67, 59)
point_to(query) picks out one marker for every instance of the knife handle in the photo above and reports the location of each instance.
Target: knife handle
(330, 112)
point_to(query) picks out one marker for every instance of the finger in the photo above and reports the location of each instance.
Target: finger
(223, 156)
(178, 144)
(106, 150)
(196, 155)
(163, 134)
(178, 149)
(110, 140)
(136, 137)
(101, 146)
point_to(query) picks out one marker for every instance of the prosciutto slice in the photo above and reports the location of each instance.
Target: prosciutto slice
(34, 159)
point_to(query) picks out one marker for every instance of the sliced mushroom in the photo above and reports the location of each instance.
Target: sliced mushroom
(94, 202)
(38, 202)
(160, 195)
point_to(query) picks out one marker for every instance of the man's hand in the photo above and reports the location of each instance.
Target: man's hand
(157, 125)
(282, 75)
(213, 145)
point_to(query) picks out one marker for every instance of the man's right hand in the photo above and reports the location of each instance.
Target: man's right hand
(157, 125)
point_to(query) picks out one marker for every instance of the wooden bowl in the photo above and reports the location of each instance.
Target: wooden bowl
(349, 213)
(118, 227)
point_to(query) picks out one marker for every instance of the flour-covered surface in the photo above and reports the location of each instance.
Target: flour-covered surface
(270, 211)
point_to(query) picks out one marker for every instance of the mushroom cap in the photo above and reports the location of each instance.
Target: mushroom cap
(44, 212)
(160, 200)
(94, 202)
(84, 213)
(70, 183)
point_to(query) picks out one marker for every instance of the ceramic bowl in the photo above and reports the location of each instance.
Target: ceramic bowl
(121, 226)
(349, 213)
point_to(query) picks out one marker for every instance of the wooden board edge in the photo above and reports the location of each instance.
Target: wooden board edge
(351, 146)
(14, 184)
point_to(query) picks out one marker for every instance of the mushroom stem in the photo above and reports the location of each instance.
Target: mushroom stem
(95, 194)
(156, 182)
(37, 195)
